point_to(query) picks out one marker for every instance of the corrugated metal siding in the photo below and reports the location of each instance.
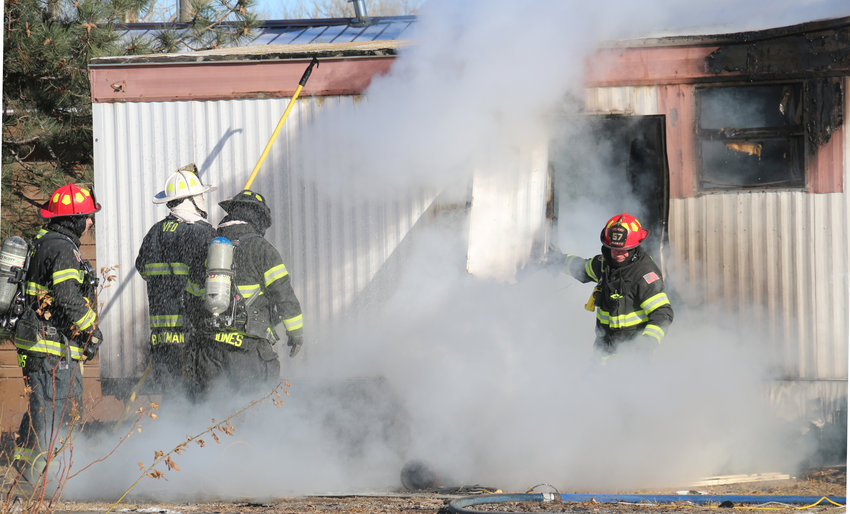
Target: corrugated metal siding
(777, 258)
(332, 250)
(642, 100)
(508, 198)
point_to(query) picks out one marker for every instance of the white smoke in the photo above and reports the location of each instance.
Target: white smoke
(491, 383)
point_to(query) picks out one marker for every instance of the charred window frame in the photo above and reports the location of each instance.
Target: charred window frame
(750, 137)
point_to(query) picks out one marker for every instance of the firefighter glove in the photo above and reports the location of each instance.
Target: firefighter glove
(295, 341)
(93, 344)
(553, 258)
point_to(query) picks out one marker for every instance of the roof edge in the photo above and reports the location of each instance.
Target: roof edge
(281, 52)
(731, 37)
(307, 22)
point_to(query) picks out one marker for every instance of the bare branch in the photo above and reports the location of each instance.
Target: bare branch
(29, 141)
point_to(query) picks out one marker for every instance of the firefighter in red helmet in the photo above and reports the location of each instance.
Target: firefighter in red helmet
(58, 328)
(629, 296)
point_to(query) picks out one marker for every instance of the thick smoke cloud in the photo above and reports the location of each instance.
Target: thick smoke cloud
(491, 383)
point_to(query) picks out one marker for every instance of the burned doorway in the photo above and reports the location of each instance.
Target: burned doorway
(602, 165)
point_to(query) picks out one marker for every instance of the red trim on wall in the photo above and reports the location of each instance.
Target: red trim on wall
(646, 66)
(825, 170)
(676, 102)
(675, 71)
(227, 80)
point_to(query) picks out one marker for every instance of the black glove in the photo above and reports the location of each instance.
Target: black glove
(294, 343)
(92, 343)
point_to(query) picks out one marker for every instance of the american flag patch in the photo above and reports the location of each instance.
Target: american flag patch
(650, 277)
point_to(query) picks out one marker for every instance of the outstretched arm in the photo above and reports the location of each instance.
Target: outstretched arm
(583, 270)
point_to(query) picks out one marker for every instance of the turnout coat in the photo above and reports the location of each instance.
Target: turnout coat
(629, 297)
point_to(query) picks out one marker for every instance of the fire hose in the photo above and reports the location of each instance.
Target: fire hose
(459, 505)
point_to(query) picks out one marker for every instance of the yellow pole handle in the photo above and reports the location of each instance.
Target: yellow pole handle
(274, 136)
(280, 123)
(129, 402)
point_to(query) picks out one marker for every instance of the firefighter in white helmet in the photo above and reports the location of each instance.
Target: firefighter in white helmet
(171, 260)
(242, 353)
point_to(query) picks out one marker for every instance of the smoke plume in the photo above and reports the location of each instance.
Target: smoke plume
(491, 383)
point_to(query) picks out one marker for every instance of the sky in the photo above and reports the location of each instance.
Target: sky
(491, 383)
(275, 9)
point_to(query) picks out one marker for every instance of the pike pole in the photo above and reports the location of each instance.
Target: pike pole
(128, 403)
(301, 83)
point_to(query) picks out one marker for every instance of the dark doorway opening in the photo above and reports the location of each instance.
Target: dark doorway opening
(629, 171)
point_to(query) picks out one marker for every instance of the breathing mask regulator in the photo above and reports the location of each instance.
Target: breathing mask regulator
(90, 280)
(14, 258)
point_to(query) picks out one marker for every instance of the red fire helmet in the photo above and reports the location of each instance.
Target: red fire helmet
(70, 200)
(623, 232)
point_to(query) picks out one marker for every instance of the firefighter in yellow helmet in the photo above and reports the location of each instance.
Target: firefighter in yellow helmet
(242, 351)
(171, 260)
(629, 296)
(57, 330)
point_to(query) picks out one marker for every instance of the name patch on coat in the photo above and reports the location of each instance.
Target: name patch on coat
(650, 277)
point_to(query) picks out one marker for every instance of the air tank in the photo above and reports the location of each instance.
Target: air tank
(219, 275)
(13, 254)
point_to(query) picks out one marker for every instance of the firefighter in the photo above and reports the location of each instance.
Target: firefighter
(242, 352)
(629, 296)
(171, 261)
(57, 330)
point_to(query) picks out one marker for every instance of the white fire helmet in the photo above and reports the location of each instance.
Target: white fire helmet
(183, 183)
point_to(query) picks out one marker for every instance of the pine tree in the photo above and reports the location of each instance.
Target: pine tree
(47, 118)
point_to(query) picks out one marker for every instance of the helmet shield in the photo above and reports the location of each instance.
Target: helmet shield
(69, 200)
(617, 236)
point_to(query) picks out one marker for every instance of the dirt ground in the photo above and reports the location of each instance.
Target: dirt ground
(822, 482)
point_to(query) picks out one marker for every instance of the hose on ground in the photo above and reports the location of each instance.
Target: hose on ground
(460, 505)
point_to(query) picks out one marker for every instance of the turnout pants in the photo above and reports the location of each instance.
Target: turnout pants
(55, 402)
(252, 367)
(171, 369)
